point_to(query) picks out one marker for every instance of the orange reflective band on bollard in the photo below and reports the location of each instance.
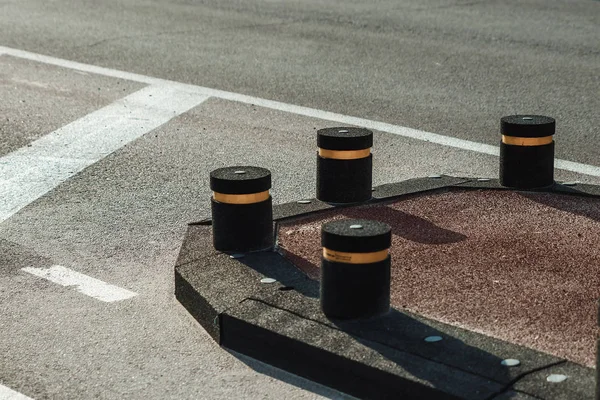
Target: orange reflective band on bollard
(355, 258)
(526, 141)
(344, 154)
(250, 198)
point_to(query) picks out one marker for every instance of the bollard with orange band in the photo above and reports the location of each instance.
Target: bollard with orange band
(344, 165)
(355, 268)
(242, 211)
(527, 151)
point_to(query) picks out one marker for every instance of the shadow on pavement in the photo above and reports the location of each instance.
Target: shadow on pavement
(407, 226)
(582, 205)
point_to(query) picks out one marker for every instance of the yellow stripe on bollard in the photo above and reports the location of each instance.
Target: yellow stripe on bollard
(521, 141)
(250, 198)
(344, 154)
(355, 258)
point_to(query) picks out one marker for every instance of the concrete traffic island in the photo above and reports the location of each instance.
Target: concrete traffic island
(493, 289)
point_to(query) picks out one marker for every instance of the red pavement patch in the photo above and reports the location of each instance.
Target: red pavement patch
(519, 266)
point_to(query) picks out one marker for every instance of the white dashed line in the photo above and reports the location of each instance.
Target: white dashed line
(9, 394)
(30, 172)
(416, 134)
(85, 284)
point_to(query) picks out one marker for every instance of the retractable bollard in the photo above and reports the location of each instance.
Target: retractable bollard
(242, 210)
(344, 165)
(355, 268)
(527, 151)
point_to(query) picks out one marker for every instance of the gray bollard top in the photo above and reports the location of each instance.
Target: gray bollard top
(344, 138)
(356, 235)
(527, 126)
(240, 180)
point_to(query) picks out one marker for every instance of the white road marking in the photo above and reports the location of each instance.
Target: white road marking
(85, 284)
(585, 169)
(30, 172)
(9, 394)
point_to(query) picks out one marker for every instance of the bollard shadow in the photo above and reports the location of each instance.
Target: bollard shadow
(289, 378)
(588, 207)
(451, 366)
(398, 337)
(408, 226)
(402, 332)
(392, 335)
(273, 265)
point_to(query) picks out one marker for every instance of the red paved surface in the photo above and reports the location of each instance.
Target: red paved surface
(523, 267)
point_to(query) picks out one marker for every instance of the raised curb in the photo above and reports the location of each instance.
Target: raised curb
(386, 357)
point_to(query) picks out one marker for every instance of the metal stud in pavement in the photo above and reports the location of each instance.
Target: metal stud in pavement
(510, 362)
(556, 378)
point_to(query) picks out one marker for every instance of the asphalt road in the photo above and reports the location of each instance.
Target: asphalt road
(446, 67)
(452, 67)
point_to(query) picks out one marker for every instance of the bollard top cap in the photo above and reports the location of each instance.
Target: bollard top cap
(345, 235)
(527, 126)
(240, 180)
(344, 138)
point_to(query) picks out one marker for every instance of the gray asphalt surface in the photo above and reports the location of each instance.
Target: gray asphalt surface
(442, 66)
(37, 99)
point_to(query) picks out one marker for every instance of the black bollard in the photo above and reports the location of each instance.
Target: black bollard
(242, 211)
(355, 268)
(344, 165)
(527, 151)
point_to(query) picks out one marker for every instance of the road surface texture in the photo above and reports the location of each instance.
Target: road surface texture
(102, 168)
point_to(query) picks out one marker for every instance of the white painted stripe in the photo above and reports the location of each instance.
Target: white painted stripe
(30, 172)
(416, 134)
(78, 66)
(85, 284)
(9, 394)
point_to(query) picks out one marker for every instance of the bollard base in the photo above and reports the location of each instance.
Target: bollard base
(344, 181)
(353, 291)
(242, 227)
(524, 167)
